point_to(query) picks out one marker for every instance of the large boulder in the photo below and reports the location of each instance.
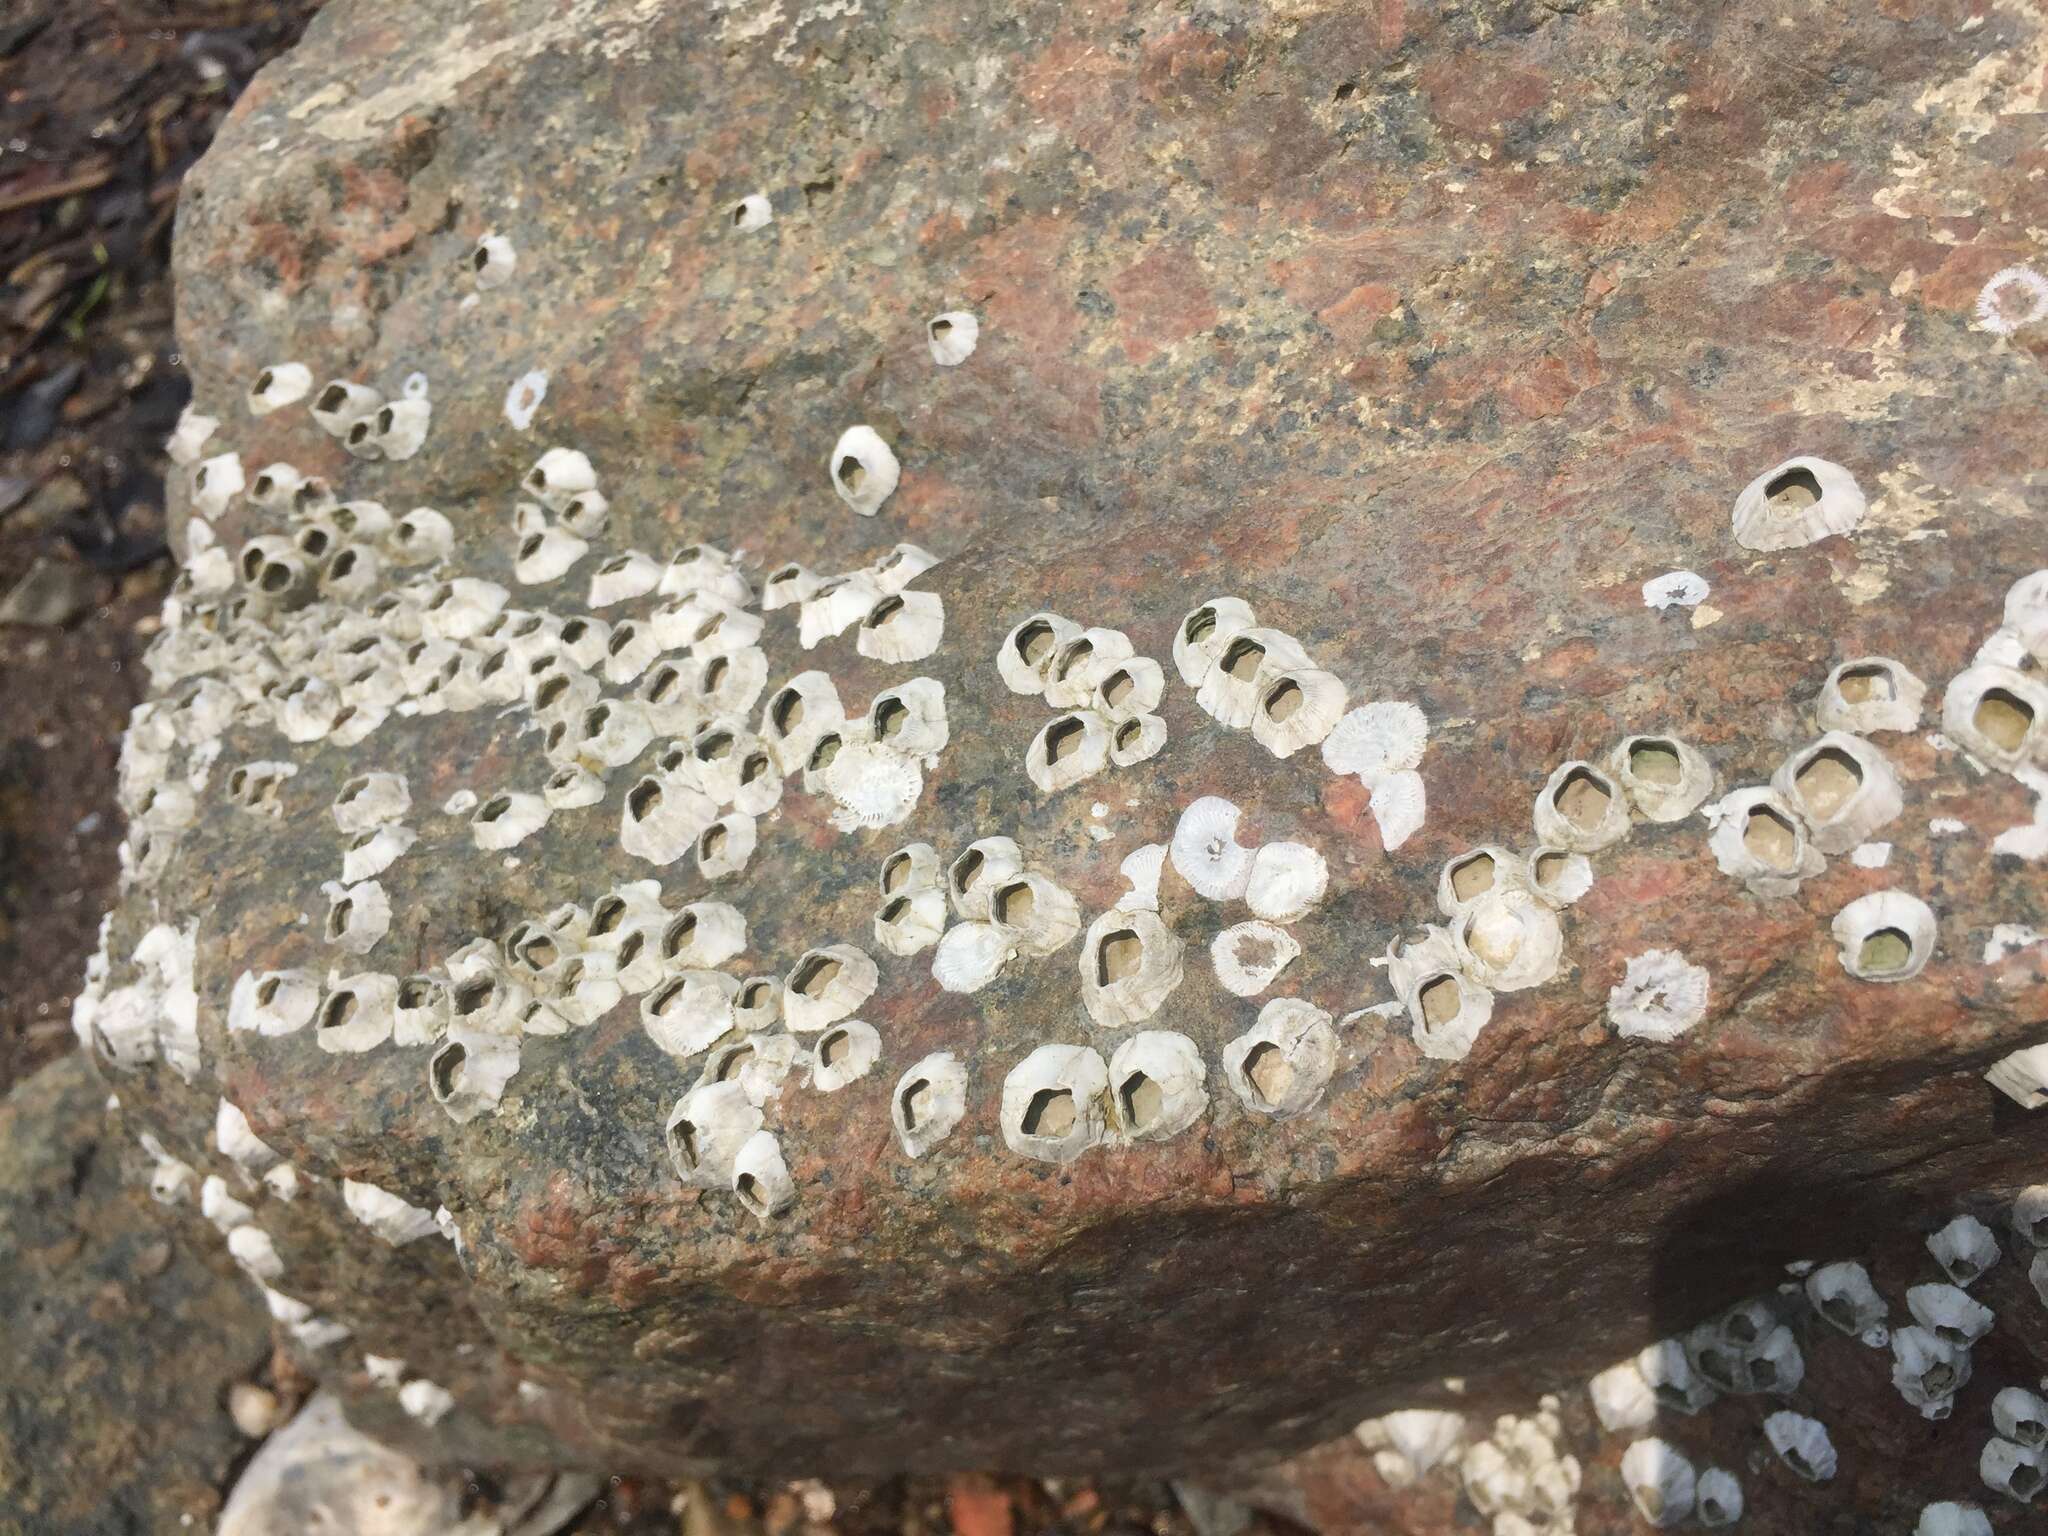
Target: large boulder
(1399, 408)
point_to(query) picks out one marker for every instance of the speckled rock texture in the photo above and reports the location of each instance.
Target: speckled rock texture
(1433, 334)
(121, 1328)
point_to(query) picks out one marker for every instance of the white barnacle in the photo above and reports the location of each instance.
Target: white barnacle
(1248, 667)
(1287, 880)
(463, 608)
(358, 916)
(351, 574)
(911, 923)
(1035, 913)
(1999, 715)
(838, 604)
(1842, 787)
(872, 785)
(1281, 1065)
(826, 985)
(1677, 1387)
(1964, 1249)
(624, 577)
(340, 405)
(559, 476)
(1581, 809)
(1130, 964)
(910, 718)
(1297, 708)
(611, 733)
(469, 1071)
(1398, 807)
(1952, 1520)
(1802, 1444)
(508, 819)
(2026, 614)
(724, 847)
(523, 399)
(1675, 589)
(1717, 1498)
(752, 212)
(1884, 936)
(2015, 1470)
(1157, 1087)
(759, 789)
(188, 439)
(788, 585)
(1845, 1299)
(252, 1248)
(1927, 1371)
(906, 626)
(974, 875)
(1761, 840)
(1660, 997)
(1406, 1444)
(2021, 1416)
(798, 715)
(421, 536)
(902, 565)
(1054, 1104)
(1376, 740)
(1660, 1480)
(911, 868)
(1796, 503)
(1199, 639)
(1949, 1313)
(760, 1177)
(928, 1103)
(572, 787)
(1205, 851)
(1478, 873)
(1508, 941)
(371, 800)
(2013, 297)
(1028, 650)
(274, 486)
(587, 515)
(357, 1014)
(970, 955)
(661, 819)
(1071, 747)
(273, 1002)
(863, 470)
(689, 1011)
(1249, 957)
(629, 650)
(705, 570)
(1664, 778)
(395, 1220)
(492, 261)
(401, 426)
(1136, 740)
(1446, 1008)
(421, 1008)
(546, 554)
(1870, 693)
(1622, 1399)
(215, 483)
(951, 337)
(844, 1053)
(234, 1139)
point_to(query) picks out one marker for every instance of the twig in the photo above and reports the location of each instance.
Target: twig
(84, 182)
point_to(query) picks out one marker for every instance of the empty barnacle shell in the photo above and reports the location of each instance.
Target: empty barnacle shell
(1281, 1065)
(273, 1002)
(2021, 1416)
(1964, 1249)
(863, 470)
(357, 1013)
(612, 732)
(463, 608)
(623, 577)
(1136, 740)
(724, 847)
(871, 785)
(1870, 693)
(909, 924)
(362, 440)
(1081, 664)
(1398, 806)
(1297, 709)
(928, 1103)
(358, 916)
(798, 715)
(906, 626)
(1157, 1087)
(1205, 851)
(839, 603)
(559, 476)
(1885, 936)
(752, 212)
(1199, 640)
(707, 570)
(279, 385)
(1677, 1387)
(1034, 913)
(1248, 666)
(1622, 1399)
(951, 337)
(1478, 873)
(911, 868)
(1998, 714)
(401, 426)
(845, 1052)
(1509, 941)
(421, 1009)
(1581, 809)
(1843, 788)
(759, 787)
(1802, 1444)
(351, 573)
(216, 482)
(628, 651)
(760, 1177)
(689, 1011)
(396, 1220)
(1946, 1519)
(1796, 503)
(1761, 840)
(758, 1004)
(508, 819)
(572, 787)
(371, 800)
(1661, 996)
(1249, 957)
(979, 868)
(1927, 1371)
(1028, 650)
(585, 641)
(1717, 1498)
(826, 985)
(1130, 964)
(422, 535)
(1446, 1008)
(1664, 778)
(969, 956)
(1054, 1104)
(546, 555)
(911, 718)
(274, 486)
(340, 405)
(661, 819)
(188, 438)
(1287, 880)
(787, 585)
(1376, 740)
(587, 515)
(492, 261)
(706, 1130)
(1660, 1481)
(1949, 1313)
(704, 934)
(1071, 747)
(2014, 1469)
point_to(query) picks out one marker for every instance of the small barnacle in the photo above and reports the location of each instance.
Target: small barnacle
(1760, 839)
(826, 985)
(351, 574)
(839, 603)
(188, 439)
(929, 1101)
(638, 952)
(910, 924)
(508, 819)
(1843, 787)
(911, 868)
(1071, 747)
(752, 212)
(492, 261)
(1157, 1085)
(463, 608)
(1928, 1371)
(1677, 1387)
(357, 1014)
(689, 1011)
(252, 1248)
(1997, 714)
(624, 577)
(273, 1002)
(1660, 997)
(1717, 1498)
(2026, 614)
(1286, 881)
(1297, 709)
(1281, 1065)
(629, 650)
(1802, 1444)
(234, 1140)
(760, 1177)
(1446, 1008)
(1796, 503)
(1665, 779)
(275, 486)
(901, 566)
(340, 405)
(420, 1011)
(1199, 640)
(547, 555)
(1034, 913)
(2021, 1416)
(704, 934)
(1136, 741)
(1248, 665)
(1949, 1314)
(215, 483)
(612, 732)
(863, 470)
(798, 715)
(371, 800)
(587, 515)
(788, 585)
(587, 987)
(757, 1005)
(1964, 1249)
(170, 1181)
(1398, 807)
(1580, 809)
(911, 718)
(397, 1221)
(1870, 693)
(358, 916)
(1054, 1103)
(759, 789)
(1622, 1399)
(724, 847)
(1660, 1480)
(661, 819)
(706, 1130)
(969, 956)
(2014, 1469)
(705, 570)
(1249, 957)
(1131, 963)
(904, 627)
(845, 1052)
(559, 476)
(572, 787)
(1081, 664)
(1508, 941)
(1884, 936)
(1205, 851)
(973, 876)
(1478, 873)
(1952, 1520)
(951, 337)
(400, 427)
(362, 439)
(1028, 650)
(1845, 1299)
(421, 536)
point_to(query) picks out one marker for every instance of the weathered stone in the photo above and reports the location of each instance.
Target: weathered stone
(1438, 337)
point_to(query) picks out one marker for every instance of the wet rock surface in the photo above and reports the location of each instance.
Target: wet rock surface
(1434, 338)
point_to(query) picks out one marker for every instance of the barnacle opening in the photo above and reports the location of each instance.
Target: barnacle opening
(1655, 761)
(915, 1103)
(1283, 700)
(814, 976)
(1063, 738)
(1473, 876)
(1142, 1099)
(1583, 798)
(1050, 1113)
(1866, 685)
(1241, 658)
(834, 1048)
(1267, 1069)
(1440, 999)
(2003, 718)
(1828, 781)
(447, 1068)
(1793, 491)
(1119, 956)
(1886, 950)
(1770, 838)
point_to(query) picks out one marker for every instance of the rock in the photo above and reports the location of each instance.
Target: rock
(50, 595)
(1391, 326)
